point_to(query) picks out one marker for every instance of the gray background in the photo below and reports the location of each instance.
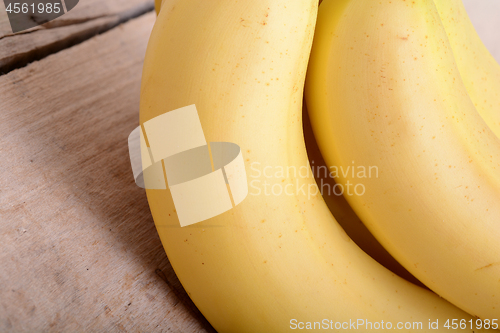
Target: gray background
(485, 15)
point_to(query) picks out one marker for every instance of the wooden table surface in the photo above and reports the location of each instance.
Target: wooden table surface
(79, 251)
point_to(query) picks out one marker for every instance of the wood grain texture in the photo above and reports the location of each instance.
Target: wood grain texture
(78, 248)
(87, 19)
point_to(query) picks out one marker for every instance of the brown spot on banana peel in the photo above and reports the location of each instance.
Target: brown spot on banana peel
(488, 266)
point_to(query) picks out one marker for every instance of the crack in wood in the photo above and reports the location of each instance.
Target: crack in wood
(61, 22)
(59, 35)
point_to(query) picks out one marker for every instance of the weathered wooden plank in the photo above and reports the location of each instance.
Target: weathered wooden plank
(87, 19)
(78, 248)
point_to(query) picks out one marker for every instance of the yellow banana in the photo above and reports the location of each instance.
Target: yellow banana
(383, 90)
(479, 70)
(273, 263)
(339, 207)
(342, 212)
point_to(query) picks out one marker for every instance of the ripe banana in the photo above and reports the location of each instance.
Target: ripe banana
(339, 207)
(342, 212)
(383, 89)
(479, 70)
(273, 261)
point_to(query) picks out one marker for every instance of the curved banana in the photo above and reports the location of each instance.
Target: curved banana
(338, 205)
(342, 212)
(274, 262)
(479, 70)
(383, 90)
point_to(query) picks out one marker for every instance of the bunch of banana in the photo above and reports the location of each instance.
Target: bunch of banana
(281, 262)
(385, 89)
